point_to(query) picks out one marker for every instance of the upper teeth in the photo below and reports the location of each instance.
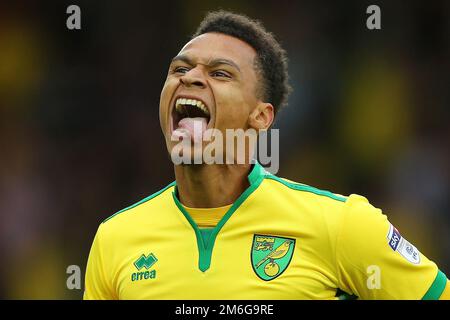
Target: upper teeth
(192, 102)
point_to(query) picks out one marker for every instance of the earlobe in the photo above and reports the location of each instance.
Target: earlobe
(262, 116)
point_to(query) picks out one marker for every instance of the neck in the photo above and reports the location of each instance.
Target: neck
(211, 186)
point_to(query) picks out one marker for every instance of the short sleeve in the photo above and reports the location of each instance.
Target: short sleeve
(97, 286)
(374, 261)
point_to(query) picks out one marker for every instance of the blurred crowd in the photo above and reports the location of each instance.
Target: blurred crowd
(80, 136)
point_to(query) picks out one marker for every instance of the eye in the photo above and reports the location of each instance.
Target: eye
(220, 74)
(181, 70)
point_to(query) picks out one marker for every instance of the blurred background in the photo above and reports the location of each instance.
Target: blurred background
(80, 136)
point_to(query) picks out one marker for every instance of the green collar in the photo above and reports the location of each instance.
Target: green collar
(257, 173)
(205, 246)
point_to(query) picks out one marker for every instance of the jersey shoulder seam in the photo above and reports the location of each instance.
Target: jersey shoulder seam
(306, 188)
(150, 197)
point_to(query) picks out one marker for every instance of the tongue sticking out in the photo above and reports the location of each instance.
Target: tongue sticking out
(195, 127)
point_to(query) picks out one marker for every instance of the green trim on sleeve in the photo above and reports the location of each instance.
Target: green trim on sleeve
(437, 287)
(142, 201)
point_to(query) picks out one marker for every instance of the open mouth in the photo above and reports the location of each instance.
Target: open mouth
(189, 108)
(190, 117)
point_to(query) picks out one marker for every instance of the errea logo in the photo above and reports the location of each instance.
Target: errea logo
(144, 262)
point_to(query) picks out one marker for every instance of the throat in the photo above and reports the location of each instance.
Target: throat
(210, 186)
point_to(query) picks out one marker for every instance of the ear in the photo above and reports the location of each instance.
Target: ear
(261, 118)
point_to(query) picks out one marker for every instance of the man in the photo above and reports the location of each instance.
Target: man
(233, 230)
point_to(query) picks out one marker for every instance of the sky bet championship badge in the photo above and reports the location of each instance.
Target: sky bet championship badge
(402, 246)
(271, 255)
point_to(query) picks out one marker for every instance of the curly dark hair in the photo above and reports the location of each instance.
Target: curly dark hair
(271, 62)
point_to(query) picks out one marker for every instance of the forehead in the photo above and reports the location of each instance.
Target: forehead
(209, 46)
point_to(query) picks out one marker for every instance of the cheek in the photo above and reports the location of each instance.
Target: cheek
(166, 94)
(234, 109)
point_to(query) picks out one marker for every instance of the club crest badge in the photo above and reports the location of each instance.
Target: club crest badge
(271, 255)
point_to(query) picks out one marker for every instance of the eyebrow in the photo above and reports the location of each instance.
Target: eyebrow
(212, 63)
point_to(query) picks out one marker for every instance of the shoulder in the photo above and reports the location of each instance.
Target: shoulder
(313, 208)
(119, 232)
(327, 206)
(353, 202)
(156, 199)
(304, 191)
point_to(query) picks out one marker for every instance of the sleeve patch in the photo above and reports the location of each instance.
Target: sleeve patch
(402, 246)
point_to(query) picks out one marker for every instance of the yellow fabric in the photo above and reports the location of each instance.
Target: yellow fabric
(362, 243)
(338, 244)
(207, 217)
(446, 294)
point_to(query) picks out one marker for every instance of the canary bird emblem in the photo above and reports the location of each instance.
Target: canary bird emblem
(271, 255)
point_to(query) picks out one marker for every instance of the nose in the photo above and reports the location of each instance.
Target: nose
(193, 78)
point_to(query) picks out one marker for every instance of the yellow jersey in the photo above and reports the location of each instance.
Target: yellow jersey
(279, 240)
